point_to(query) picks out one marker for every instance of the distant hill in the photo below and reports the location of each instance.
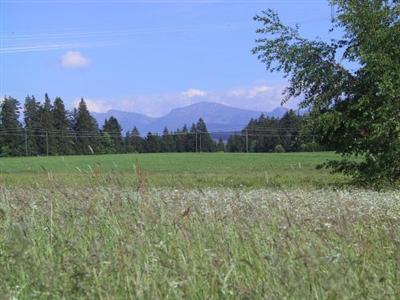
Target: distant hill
(218, 117)
(128, 120)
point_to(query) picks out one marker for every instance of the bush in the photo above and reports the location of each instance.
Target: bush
(279, 149)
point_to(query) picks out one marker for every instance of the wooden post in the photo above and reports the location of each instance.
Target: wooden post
(247, 140)
(196, 141)
(47, 143)
(200, 141)
(26, 143)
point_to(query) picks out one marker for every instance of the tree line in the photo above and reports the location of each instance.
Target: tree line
(289, 133)
(48, 128)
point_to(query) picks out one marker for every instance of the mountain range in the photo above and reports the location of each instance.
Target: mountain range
(218, 117)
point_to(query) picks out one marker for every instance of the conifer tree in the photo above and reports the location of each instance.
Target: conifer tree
(167, 141)
(47, 142)
(134, 142)
(113, 129)
(289, 128)
(192, 139)
(182, 140)
(87, 131)
(153, 143)
(63, 138)
(220, 145)
(32, 125)
(205, 142)
(236, 143)
(11, 133)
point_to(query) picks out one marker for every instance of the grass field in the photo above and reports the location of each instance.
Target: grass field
(176, 170)
(193, 226)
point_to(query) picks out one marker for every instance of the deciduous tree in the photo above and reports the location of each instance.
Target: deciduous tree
(356, 109)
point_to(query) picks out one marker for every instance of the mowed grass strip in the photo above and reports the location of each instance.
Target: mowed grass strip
(173, 169)
(114, 243)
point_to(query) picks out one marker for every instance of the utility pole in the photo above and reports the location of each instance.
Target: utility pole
(247, 140)
(196, 141)
(47, 143)
(200, 141)
(26, 143)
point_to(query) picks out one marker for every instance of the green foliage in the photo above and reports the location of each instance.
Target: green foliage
(47, 139)
(205, 142)
(112, 136)
(265, 133)
(11, 134)
(32, 125)
(181, 139)
(50, 129)
(87, 132)
(134, 142)
(168, 143)
(310, 147)
(153, 143)
(220, 145)
(357, 112)
(62, 125)
(236, 143)
(279, 149)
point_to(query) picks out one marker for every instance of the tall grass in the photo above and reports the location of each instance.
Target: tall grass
(109, 243)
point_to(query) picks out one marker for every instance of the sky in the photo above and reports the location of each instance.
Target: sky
(146, 56)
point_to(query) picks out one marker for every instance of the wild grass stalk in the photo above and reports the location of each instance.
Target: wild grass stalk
(107, 242)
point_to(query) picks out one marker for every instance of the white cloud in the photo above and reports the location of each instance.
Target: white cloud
(238, 93)
(251, 92)
(191, 93)
(259, 90)
(98, 106)
(74, 59)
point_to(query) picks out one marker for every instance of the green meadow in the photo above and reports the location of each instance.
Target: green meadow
(193, 226)
(186, 170)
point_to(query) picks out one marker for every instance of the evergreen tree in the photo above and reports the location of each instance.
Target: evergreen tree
(167, 141)
(107, 144)
(220, 145)
(11, 133)
(236, 143)
(134, 142)
(153, 143)
(47, 141)
(264, 134)
(192, 140)
(113, 129)
(290, 125)
(182, 138)
(73, 117)
(205, 142)
(87, 131)
(63, 138)
(32, 125)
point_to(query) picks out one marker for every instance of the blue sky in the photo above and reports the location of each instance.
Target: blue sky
(144, 56)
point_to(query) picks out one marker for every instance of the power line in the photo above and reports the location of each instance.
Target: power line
(113, 33)
(73, 132)
(136, 31)
(50, 139)
(105, 134)
(224, 2)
